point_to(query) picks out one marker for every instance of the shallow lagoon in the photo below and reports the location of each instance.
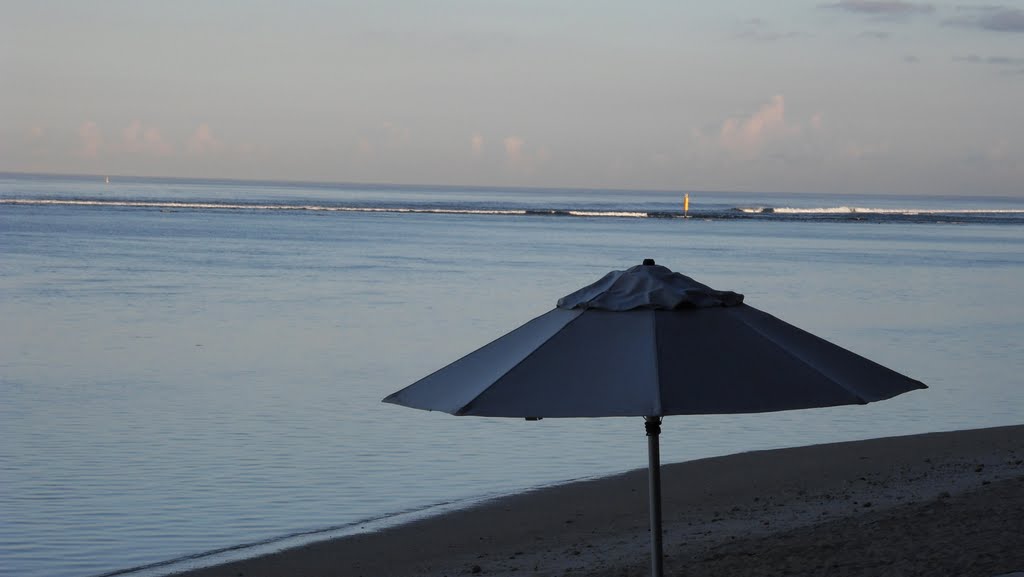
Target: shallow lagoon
(177, 382)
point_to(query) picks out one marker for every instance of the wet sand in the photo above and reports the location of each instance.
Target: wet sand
(936, 504)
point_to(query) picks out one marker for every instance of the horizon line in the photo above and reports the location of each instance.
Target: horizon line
(431, 186)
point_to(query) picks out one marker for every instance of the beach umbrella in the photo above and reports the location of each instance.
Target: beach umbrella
(650, 342)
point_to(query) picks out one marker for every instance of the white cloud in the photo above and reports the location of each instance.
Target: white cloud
(522, 159)
(817, 121)
(386, 141)
(476, 145)
(514, 149)
(394, 134)
(154, 142)
(748, 134)
(203, 141)
(90, 139)
(364, 146)
(138, 138)
(543, 155)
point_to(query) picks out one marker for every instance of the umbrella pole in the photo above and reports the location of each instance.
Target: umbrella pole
(653, 426)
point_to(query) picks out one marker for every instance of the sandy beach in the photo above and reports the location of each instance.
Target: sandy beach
(947, 503)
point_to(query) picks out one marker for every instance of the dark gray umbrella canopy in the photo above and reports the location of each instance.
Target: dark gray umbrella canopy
(650, 342)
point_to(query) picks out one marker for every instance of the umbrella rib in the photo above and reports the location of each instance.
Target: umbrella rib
(468, 406)
(657, 366)
(861, 399)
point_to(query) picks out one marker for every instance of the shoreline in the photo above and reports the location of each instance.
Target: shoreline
(936, 503)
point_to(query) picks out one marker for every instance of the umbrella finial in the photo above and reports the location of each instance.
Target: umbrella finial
(648, 262)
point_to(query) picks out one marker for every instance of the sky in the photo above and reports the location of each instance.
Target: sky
(833, 96)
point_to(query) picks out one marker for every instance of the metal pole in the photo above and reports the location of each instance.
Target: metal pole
(653, 426)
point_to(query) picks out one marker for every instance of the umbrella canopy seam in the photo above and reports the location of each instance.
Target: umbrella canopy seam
(464, 410)
(658, 406)
(863, 400)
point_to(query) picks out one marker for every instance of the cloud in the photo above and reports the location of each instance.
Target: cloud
(543, 154)
(861, 151)
(994, 18)
(998, 151)
(364, 146)
(249, 149)
(385, 138)
(522, 159)
(130, 134)
(203, 141)
(887, 8)
(395, 134)
(154, 142)
(476, 145)
(1001, 60)
(747, 135)
(34, 141)
(758, 30)
(1006, 64)
(137, 138)
(90, 139)
(817, 121)
(514, 149)
(874, 35)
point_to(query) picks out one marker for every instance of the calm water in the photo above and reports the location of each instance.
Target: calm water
(189, 366)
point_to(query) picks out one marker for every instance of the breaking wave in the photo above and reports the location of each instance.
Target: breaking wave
(721, 212)
(860, 210)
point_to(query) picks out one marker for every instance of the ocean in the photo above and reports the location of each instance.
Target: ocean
(191, 370)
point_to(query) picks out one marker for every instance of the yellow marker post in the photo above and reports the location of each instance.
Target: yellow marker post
(686, 204)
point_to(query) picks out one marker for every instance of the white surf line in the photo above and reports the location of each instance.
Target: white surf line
(898, 211)
(236, 206)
